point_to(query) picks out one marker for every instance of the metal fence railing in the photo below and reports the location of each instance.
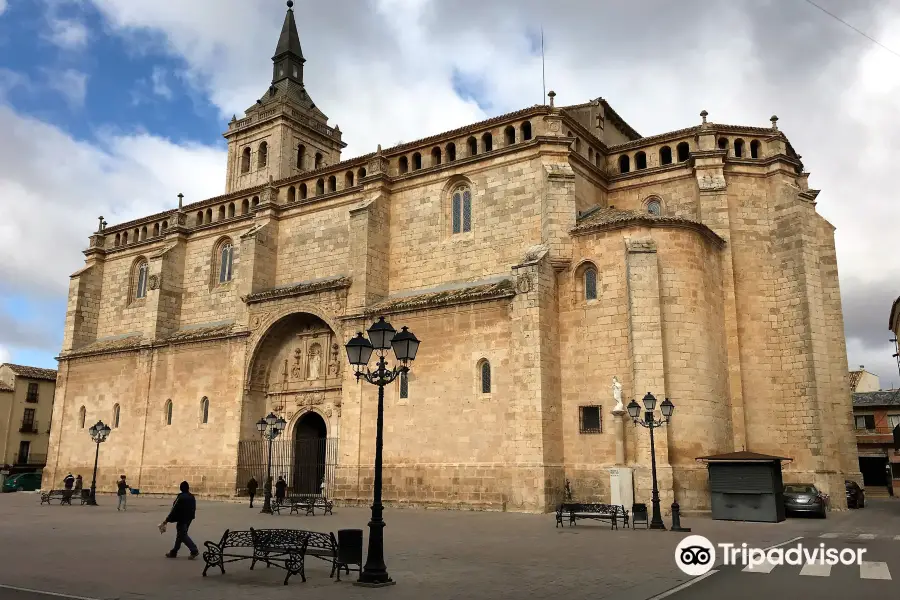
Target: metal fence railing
(305, 463)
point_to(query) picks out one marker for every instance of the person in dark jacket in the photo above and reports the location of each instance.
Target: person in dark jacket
(68, 483)
(251, 489)
(182, 514)
(121, 487)
(280, 489)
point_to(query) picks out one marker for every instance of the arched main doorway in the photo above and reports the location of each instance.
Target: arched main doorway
(310, 449)
(295, 372)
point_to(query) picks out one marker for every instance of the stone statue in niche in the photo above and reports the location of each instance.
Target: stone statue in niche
(297, 369)
(617, 395)
(314, 363)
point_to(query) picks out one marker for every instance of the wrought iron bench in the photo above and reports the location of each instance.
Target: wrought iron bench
(228, 550)
(63, 496)
(310, 504)
(287, 549)
(595, 511)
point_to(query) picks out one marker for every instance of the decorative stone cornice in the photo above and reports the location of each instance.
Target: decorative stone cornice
(299, 289)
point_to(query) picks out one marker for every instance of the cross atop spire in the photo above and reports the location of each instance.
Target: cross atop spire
(288, 57)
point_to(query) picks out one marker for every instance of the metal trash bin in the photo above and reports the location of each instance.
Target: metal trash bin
(350, 542)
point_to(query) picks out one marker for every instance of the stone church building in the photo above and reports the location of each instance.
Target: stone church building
(536, 255)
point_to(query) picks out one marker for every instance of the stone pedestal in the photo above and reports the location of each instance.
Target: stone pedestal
(619, 429)
(621, 490)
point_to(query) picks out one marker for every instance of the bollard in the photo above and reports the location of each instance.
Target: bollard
(676, 519)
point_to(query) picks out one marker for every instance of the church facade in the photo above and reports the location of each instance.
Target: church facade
(536, 255)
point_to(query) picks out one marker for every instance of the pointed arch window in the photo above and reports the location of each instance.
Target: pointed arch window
(484, 376)
(142, 272)
(115, 415)
(590, 283)
(204, 410)
(168, 413)
(226, 261)
(461, 208)
(82, 414)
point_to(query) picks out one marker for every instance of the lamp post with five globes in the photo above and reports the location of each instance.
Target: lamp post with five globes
(359, 351)
(99, 432)
(270, 428)
(649, 421)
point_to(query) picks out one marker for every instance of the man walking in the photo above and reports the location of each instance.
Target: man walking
(280, 489)
(121, 486)
(68, 483)
(183, 510)
(251, 489)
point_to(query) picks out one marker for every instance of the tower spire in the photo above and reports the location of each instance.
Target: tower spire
(288, 60)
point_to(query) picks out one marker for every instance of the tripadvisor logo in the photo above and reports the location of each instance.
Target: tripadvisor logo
(695, 555)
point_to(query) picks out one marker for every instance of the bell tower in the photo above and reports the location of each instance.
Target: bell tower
(284, 133)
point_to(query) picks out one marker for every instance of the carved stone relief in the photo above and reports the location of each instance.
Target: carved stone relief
(523, 284)
(711, 182)
(153, 282)
(309, 399)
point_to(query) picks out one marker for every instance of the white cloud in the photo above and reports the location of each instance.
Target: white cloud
(5, 354)
(72, 84)
(68, 34)
(68, 183)
(3, 6)
(160, 87)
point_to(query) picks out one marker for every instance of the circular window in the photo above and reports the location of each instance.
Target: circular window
(654, 207)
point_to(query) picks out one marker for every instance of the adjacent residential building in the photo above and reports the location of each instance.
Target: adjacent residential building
(537, 255)
(863, 381)
(26, 405)
(875, 415)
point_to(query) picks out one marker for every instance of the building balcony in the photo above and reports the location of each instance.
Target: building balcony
(878, 434)
(29, 427)
(31, 460)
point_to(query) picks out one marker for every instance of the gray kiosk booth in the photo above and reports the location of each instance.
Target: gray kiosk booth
(746, 486)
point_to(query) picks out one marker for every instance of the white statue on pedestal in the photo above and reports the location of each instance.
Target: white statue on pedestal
(617, 395)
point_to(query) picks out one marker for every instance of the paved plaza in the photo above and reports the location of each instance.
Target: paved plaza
(95, 552)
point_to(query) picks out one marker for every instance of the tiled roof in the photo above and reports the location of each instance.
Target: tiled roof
(880, 398)
(743, 456)
(6, 388)
(121, 342)
(191, 334)
(614, 218)
(457, 295)
(854, 379)
(296, 289)
(32, 372)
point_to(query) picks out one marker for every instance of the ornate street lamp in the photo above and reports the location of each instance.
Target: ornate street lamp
(650, 422)
(270, 427)
(99, 432)
(359, 351)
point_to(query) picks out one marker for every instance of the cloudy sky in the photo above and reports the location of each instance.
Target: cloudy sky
(112, 107)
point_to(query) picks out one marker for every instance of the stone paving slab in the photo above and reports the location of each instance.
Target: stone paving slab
(96, 552)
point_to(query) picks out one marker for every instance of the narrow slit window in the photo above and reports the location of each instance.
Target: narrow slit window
(404, 384)
(590, 284)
